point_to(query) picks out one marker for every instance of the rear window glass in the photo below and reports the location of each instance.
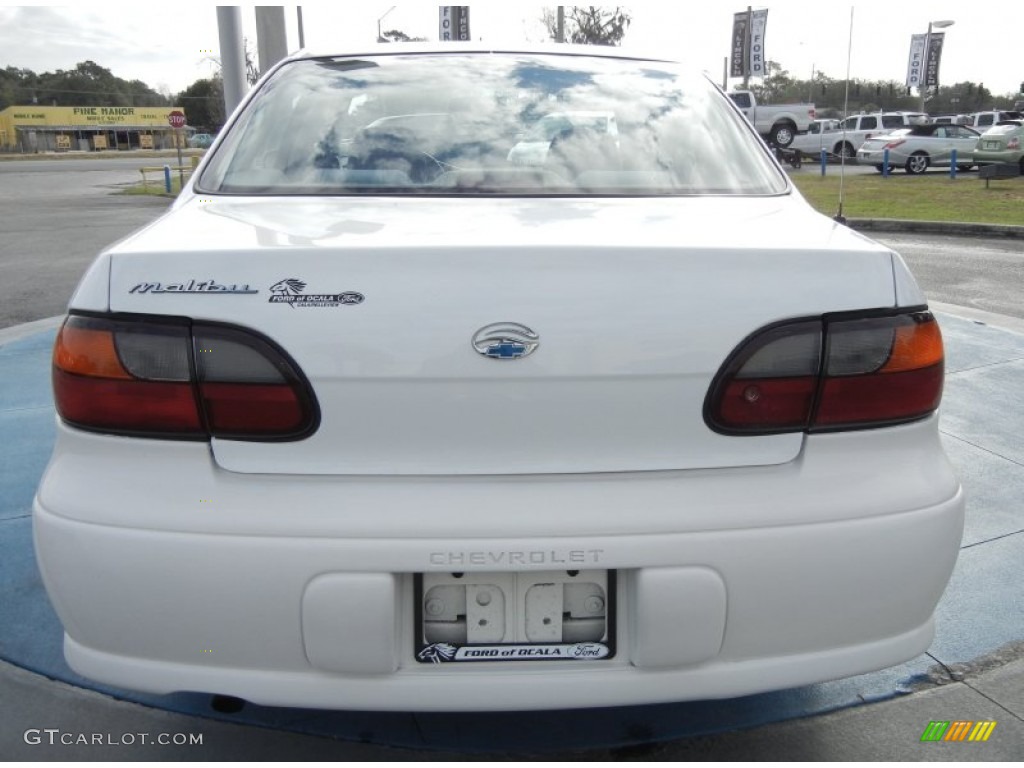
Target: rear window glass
(489, 124)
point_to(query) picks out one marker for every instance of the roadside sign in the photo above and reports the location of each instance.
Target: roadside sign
(176, 119)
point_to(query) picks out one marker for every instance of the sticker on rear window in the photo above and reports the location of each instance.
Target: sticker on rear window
(291, 291)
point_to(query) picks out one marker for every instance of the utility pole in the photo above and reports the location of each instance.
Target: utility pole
(271, 39)
(746, 49)
(560, 27)
(232, 55)
(380, 37)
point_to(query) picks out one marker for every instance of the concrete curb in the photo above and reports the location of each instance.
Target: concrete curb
(937, 227)
(15, 332)
(139, 154)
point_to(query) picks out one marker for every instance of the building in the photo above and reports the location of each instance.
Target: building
(35, 128)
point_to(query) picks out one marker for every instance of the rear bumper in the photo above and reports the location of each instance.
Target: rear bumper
(985, 157)
(321, 618)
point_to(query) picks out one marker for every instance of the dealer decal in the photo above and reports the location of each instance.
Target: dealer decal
(441, 653)
(292, 292)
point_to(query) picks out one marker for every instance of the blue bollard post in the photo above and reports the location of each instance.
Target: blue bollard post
(885, 161)
(167, 179)
(952, 164)
(824, 161)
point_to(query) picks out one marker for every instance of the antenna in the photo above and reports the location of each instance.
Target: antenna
(846, 107)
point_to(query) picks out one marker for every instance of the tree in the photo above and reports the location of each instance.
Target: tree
(203, 102)
(88, 84)
(777, 87)
(589, 25)
(252, 71)
(398, 36)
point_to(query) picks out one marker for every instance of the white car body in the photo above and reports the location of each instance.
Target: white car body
(604, 543)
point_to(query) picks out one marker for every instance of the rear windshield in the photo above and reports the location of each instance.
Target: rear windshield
(474, 124)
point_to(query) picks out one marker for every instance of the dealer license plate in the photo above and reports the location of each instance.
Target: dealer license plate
(536, 616)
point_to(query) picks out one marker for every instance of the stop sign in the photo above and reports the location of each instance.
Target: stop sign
(176, 119)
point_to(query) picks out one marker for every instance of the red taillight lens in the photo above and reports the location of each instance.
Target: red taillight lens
(774, 381)
(247, 387)
(1013, 143)
(165, 378)
(830, 374)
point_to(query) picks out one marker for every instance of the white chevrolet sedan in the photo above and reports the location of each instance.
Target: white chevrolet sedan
(375, 419)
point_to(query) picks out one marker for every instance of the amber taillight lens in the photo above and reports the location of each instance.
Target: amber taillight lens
(163, 377)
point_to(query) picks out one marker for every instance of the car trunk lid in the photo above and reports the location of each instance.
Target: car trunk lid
(636, 304)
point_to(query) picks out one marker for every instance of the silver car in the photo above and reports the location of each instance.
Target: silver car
(921, 146)
(1002, 143)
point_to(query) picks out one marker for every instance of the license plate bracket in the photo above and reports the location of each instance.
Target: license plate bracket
(515, 616)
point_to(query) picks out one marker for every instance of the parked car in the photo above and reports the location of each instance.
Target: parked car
(646, 428)
(983, 120)
(1002, 143)
(779, 124)
(951, 119)
(820, 135)
(857, 129)
(918, 148)
(200, 140)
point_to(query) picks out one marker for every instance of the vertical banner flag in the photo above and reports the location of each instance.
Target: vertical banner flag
(739, 45)
(931, 67)
(454, 23)
(758, 22)
(915, 65)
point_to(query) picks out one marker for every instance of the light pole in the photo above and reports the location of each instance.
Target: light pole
(928, 54)
(380, 37)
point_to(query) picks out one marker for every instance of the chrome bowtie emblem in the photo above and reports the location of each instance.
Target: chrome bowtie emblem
(505, 341)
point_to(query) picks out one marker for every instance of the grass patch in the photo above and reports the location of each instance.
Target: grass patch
(154, 188)
(932, 197)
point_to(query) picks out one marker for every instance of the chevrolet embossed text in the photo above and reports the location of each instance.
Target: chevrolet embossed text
(519, 557)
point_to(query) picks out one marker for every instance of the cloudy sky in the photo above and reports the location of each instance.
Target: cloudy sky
(168, 45)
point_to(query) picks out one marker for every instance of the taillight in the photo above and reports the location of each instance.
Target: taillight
(830, 374)
(167, 378)
(1013, 143)
(894, 144)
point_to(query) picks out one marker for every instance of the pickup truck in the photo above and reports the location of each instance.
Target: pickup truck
(822, 134)
(779, 124)
(854, 131)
